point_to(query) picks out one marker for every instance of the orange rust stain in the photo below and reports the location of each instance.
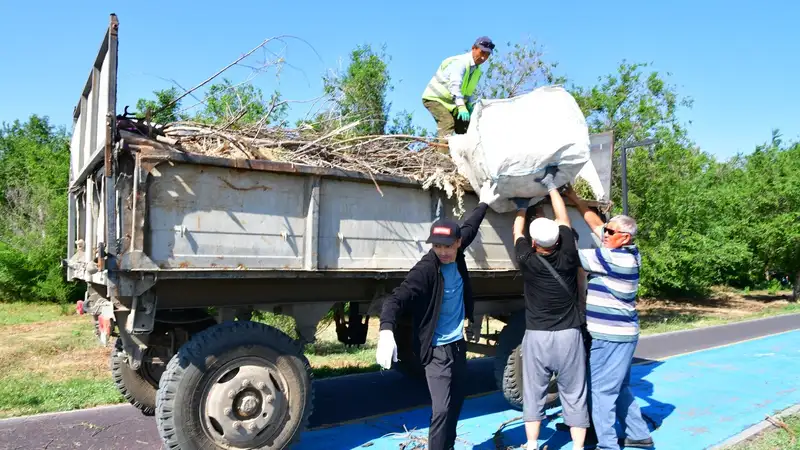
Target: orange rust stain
(184, 265)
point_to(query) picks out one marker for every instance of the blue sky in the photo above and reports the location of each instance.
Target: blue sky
(737, 61)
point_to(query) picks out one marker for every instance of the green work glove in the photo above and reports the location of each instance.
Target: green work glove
(463, 114)
(470, 108)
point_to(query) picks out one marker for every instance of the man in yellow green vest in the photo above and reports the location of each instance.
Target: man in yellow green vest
(448, 95)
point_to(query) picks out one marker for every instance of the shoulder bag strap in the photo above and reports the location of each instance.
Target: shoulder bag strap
(555, 274)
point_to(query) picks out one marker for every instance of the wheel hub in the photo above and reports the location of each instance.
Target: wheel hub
(243, 402)
(247, 404)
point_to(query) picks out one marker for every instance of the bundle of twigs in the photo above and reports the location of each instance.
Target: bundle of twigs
(421, 159)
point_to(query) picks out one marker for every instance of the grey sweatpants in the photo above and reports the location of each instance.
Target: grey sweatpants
(561, 352)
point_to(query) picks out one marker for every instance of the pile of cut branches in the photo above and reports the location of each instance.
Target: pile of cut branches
(421, 159)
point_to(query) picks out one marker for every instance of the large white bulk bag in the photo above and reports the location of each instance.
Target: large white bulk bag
(512, 142)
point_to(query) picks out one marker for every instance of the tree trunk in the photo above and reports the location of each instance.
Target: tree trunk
(796, 290)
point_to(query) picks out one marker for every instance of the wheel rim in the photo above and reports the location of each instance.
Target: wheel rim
(242, 401)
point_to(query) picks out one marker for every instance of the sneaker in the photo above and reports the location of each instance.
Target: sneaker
(642, 443)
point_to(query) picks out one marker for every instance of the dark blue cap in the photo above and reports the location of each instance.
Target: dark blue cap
(485, 44)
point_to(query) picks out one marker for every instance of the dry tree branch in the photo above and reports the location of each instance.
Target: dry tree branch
(327, 136)
(219, 72)
(779, 423)
(372, 156)
(498, 435)
(232, 88)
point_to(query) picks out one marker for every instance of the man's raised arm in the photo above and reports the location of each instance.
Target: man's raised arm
(519, 224)
(592, 219)
(559, 208)
(469, 230)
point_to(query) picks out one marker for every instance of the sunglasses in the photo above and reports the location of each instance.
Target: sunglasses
(611, 231)
(486, 44)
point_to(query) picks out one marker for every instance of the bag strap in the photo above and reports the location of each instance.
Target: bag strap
(555, 274)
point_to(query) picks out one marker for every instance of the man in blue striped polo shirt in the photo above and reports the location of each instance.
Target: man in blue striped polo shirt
(613, 324)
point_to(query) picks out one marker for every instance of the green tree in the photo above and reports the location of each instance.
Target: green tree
(687, 230)
(243, 104)
(516, 71)
(686, 233)
(636, 105)
(34, 175)
(766, 193)
(162, 114)
(359, 93)
(403, 123)
(633, 104)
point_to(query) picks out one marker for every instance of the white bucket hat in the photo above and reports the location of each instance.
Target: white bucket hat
(544, 232)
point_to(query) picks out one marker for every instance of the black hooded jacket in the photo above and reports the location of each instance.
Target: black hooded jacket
(422, 290)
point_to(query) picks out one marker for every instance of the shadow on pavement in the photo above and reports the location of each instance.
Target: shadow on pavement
(653, 411)
(348, 398)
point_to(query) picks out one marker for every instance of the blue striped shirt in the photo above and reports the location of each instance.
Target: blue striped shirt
(611, 292)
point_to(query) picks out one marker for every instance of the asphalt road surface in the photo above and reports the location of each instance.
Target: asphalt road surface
(338, 399)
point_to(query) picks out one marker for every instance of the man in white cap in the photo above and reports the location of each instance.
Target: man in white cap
(553, 341)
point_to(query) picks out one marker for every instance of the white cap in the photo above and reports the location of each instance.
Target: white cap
(544, 232)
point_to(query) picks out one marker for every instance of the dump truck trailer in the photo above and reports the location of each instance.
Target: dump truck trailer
(178, 250)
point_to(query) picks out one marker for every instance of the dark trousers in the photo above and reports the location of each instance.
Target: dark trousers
(446, 375)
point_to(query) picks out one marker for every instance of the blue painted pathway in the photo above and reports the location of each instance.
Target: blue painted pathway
(695, 401)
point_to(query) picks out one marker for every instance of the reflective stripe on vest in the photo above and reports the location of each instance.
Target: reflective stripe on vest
(437, 88)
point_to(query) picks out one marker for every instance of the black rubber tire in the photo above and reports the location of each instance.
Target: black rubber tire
(139, 387)
(508, 365)
(183, 382)
(134, 385)
(408, 362)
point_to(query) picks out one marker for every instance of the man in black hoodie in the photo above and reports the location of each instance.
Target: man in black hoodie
(438, 293)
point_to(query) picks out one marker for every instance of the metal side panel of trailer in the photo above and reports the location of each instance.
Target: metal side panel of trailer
(227, 225)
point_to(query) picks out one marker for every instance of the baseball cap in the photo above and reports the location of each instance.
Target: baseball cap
(485, 44)
(444, 232)
(544, 232)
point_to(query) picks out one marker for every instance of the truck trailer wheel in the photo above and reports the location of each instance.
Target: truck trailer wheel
(508, 364)
(235, 385)
(137, 386)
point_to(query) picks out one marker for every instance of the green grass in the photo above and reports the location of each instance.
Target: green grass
(332, 359)
(24, 395)
(17, 313)
(50, 362)
(665, 321)
(327, 358)
(775, 438)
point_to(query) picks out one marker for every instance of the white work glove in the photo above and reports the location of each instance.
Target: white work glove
(387, 349)
(488, 194)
